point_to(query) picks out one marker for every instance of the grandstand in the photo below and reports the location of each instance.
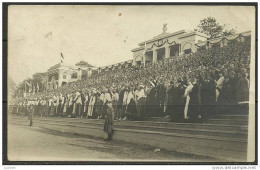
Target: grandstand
(168, 59)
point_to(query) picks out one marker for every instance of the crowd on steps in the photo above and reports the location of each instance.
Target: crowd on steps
(186, 88)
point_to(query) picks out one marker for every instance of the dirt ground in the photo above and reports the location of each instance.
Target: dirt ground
(27, 143)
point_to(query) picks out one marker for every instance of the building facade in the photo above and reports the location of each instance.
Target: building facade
(167, 45)
(163, 46)
(60, 75)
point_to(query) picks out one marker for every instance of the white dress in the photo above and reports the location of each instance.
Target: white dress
(85, 103)
(187, 91)
(92, 101)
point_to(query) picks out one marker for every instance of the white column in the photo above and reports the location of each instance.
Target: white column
(79, 74)
(134, 61)
(167, 52)
(181, 52)
(154, 55)
(144, 59)
(194, 49)
(90, 72)
(60, 79)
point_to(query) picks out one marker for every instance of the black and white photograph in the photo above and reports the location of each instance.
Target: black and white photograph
(131, 83)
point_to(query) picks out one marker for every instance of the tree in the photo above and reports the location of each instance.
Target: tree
(84, 64)
(40, 79)
(229, 32)
(212, 28)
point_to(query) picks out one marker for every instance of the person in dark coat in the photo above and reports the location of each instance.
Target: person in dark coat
(120, 103)
(151, 102)
(161, 99)
(170, 100)
(98, 106)
(233, 81)
(109, 120)
(37, 107)
(208, 97)
(233, 93)
(225, 97)
(131, 109)
(178, 102)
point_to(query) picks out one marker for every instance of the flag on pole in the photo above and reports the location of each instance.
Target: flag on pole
(28, 83)
(62, 58)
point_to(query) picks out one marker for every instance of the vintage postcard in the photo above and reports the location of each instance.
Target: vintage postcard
(131, 83)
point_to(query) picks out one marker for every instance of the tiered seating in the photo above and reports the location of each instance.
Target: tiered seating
(222, 136)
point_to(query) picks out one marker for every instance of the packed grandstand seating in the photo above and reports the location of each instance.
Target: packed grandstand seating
(185, 88)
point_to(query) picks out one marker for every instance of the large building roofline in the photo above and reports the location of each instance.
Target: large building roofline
(213, 40)
(162, 36)
(180, 34)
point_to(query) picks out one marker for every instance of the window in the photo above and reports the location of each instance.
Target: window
(63, 83)
(188, 51)
(64, 76)
(138, 62)
(74, 76)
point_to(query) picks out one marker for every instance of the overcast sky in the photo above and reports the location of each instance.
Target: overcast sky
(100, 35)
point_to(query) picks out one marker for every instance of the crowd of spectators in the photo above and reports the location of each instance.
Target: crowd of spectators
(185, 88)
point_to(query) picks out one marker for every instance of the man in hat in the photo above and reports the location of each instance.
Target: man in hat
(109, 120)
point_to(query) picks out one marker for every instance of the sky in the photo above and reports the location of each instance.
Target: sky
(100, 35)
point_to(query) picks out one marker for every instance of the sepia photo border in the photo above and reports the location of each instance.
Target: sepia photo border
(5, 160)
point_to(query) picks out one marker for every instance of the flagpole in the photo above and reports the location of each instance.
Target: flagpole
(62, 58)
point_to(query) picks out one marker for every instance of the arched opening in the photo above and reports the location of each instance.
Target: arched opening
(187, 48)
(174, 50)
(74, 75)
